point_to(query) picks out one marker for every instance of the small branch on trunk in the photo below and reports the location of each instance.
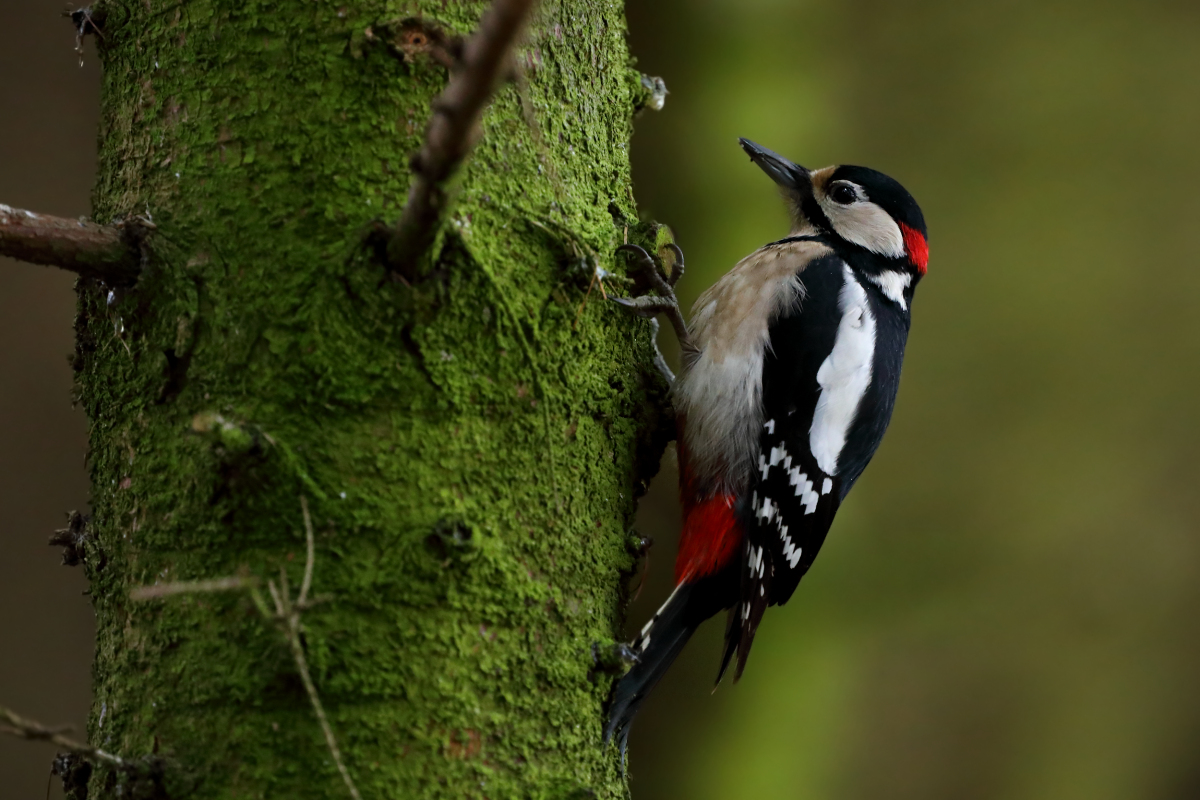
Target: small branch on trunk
(450, 133)
(107, 252)
(85, 21)
(160, 590)
(73, 539)
(286, 616)
(23, 728)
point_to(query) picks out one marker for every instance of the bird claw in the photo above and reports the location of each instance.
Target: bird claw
(648, 306)
(663, 283)
(614, 657)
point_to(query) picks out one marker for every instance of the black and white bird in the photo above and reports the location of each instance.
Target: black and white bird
(791, 365)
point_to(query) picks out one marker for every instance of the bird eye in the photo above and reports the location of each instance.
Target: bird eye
(843, 193)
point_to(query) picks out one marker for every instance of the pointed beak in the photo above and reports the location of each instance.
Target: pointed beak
(783, 172)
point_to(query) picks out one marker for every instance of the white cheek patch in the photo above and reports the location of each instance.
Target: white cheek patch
(865, 224)
(844, 375)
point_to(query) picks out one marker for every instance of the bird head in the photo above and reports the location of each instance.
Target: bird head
(858, 206)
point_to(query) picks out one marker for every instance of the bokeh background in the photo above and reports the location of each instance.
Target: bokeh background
(48, 114)
(1009, 603)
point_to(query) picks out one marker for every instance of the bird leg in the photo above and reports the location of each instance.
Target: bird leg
(648, 306)
(660, 361)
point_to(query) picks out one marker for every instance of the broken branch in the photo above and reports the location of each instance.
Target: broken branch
(35, 731)
(109, 253)
(191, 587)
(448, 137)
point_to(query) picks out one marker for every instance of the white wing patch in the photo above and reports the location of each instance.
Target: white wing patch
(844, 375)
(767, 512)
(790, 551)
(799, 480)
(755, 564)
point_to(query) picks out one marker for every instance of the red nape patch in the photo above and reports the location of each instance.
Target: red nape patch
(917, 247)
(711, 537)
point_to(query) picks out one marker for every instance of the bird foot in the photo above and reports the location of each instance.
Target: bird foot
(649, 306)
(614, 658)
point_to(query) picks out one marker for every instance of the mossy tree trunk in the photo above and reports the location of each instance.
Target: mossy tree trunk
(470, 455)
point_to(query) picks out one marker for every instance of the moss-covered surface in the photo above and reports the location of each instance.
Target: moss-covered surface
(471, 456)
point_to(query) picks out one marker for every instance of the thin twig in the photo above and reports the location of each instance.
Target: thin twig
(191, 587)
(598, 276)
(311, 549)
(449, 135)
(538, 385)
(583, 302)
(286, 615)
(286, 590)
(291, 628)
(288, 618)
(107, 252)
(279, 611)
(34, 731)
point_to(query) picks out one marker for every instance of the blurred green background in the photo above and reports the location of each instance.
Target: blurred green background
(1009, 603)
(48, 113)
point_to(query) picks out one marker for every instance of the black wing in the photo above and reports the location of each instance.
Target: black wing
(792, 502)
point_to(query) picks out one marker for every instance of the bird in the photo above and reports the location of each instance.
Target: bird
(790, 367)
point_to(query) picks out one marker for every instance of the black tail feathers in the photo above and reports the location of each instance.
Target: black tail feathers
(662, 640)
(747, 613)
(656, 647)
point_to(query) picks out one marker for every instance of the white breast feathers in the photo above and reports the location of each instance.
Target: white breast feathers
(844, 375)
(720, 392)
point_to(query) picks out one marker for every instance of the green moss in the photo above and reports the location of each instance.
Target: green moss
(471, 445)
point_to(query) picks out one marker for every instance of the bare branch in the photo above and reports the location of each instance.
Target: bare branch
(34, 731)
(191, 587)
(73, 539)
(289, 622)
(286, 616)
(107, 252)
(288, 619)
(280, 609)
(449, 135)
(306, 584)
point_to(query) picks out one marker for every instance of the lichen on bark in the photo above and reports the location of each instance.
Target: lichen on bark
(471, 455)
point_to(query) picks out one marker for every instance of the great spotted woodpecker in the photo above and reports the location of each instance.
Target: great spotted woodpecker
(790, 369)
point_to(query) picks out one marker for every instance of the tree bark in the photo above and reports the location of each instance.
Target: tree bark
(470, 456)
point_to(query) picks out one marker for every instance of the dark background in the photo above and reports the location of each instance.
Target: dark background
(48, 113)
(1008, 605)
